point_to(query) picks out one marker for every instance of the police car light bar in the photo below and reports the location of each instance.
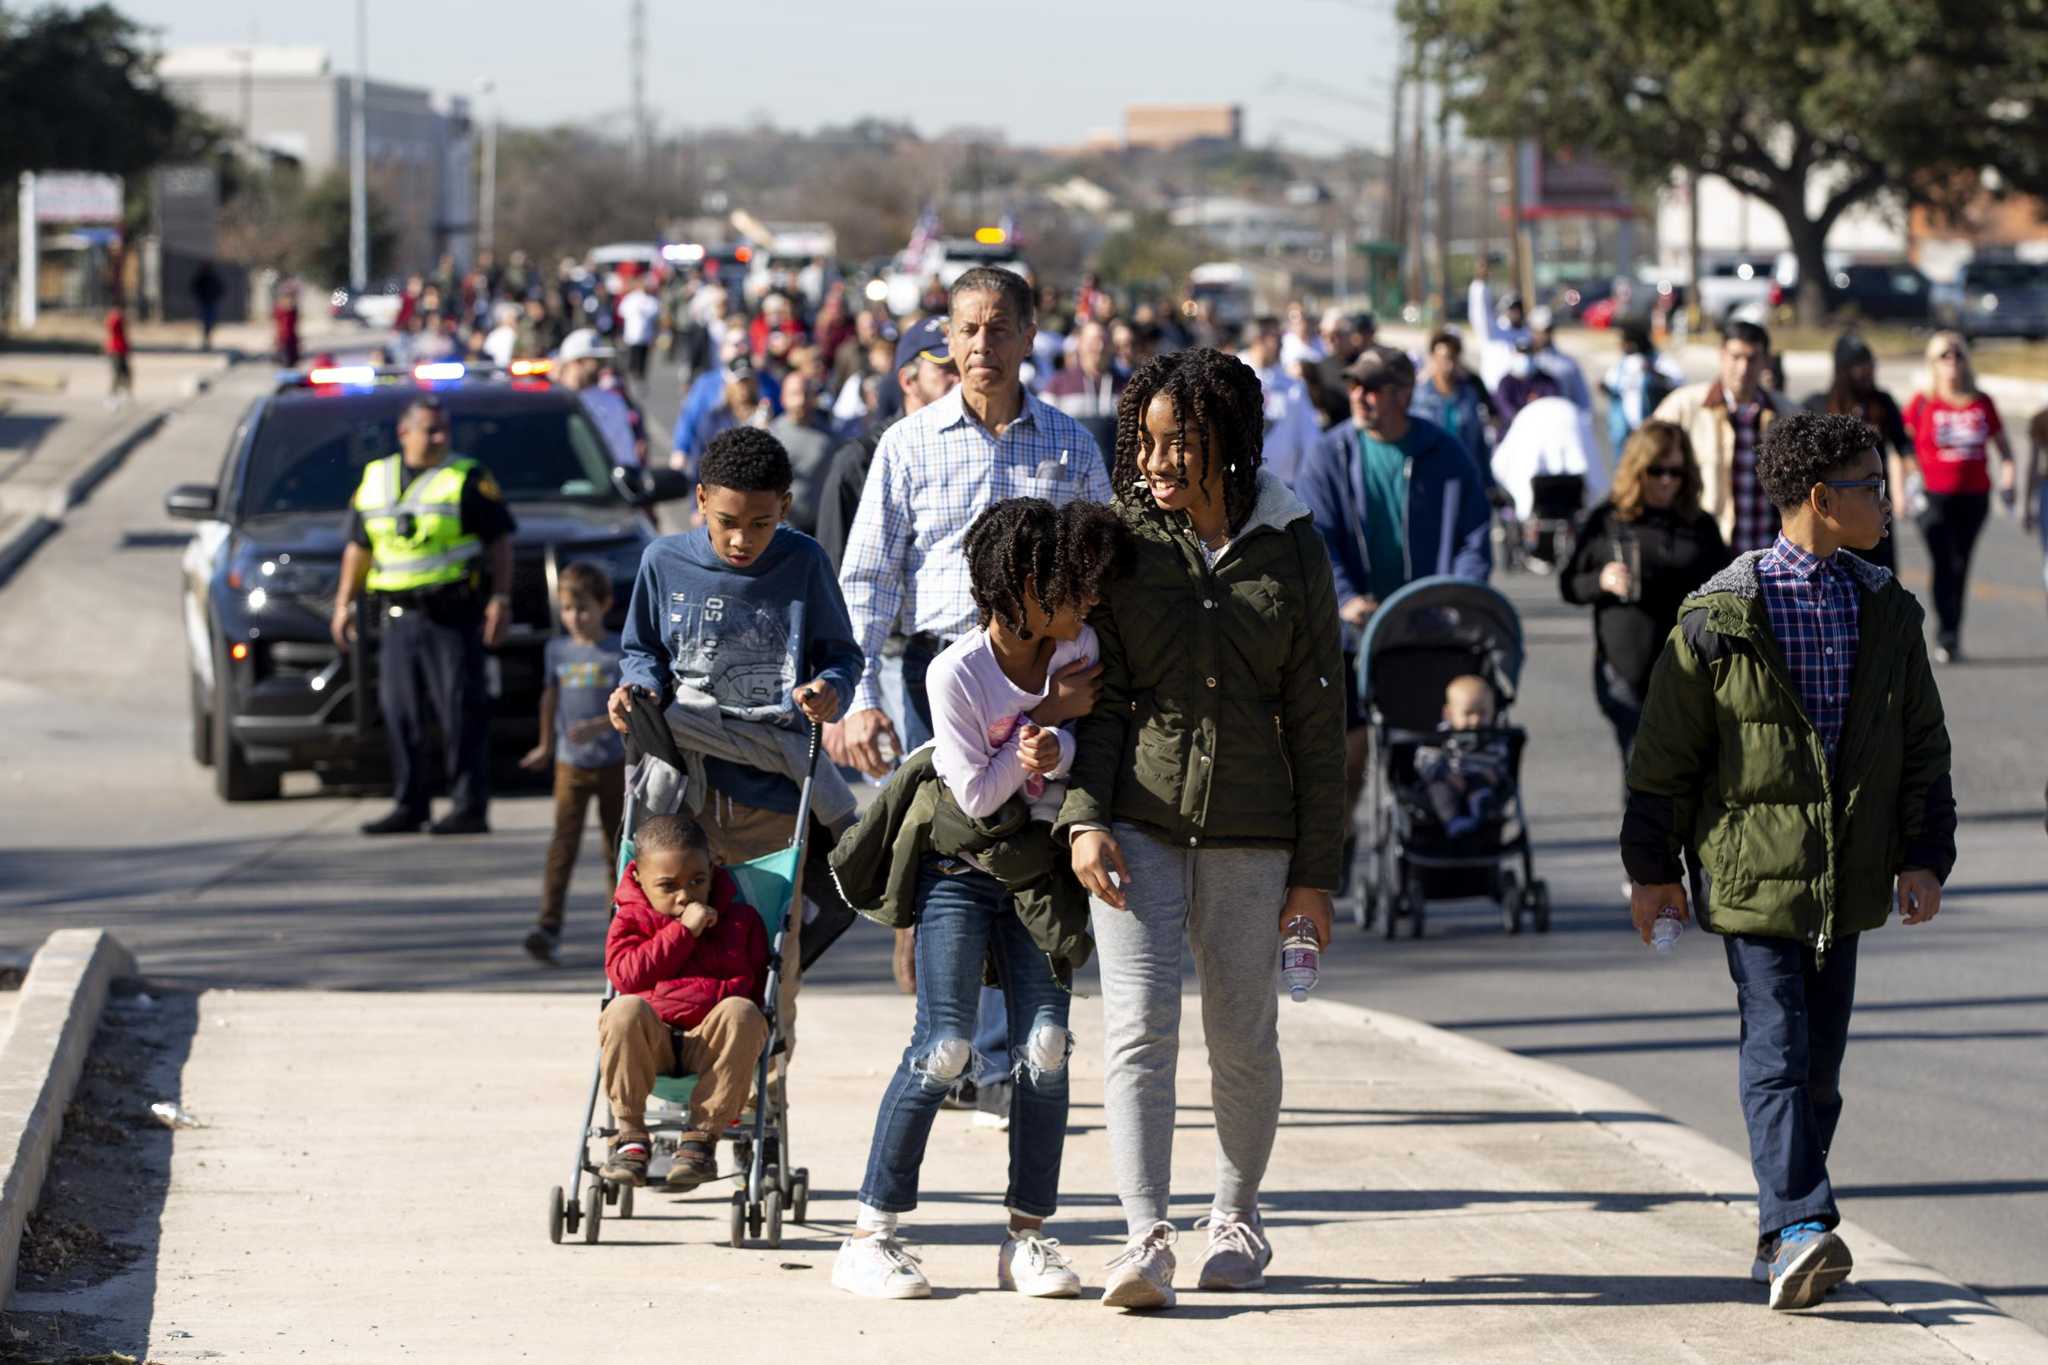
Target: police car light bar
(439, 369)
(342, 374)
(525, 368)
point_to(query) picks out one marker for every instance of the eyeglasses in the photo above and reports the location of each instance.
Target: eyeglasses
(1871, 485)
(1669, 471)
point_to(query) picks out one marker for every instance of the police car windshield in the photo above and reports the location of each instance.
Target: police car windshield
(311, 448)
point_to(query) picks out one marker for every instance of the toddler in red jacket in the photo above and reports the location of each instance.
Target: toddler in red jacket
(690, 960)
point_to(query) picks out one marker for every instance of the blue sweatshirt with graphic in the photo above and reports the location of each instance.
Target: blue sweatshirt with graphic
(745, 636)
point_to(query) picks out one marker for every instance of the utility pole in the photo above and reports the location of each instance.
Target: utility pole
(1390, 222)
(1418, 181)
(1443, 185)
(359, 161)
(487, 235)
(636, 62)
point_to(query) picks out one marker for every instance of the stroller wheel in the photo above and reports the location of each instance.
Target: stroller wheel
(773, 1204)
(1539, 898)
(593, 1211)
(625, 1209)
(739, 1219)
(555, 1212)
(800, 1195)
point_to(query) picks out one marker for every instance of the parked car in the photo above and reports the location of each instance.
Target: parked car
(1729, 287)
(269, 690)
(1997, 299)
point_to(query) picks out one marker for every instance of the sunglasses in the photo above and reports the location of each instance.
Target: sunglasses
(1872, 485)
(1948, 355)
(1665, 471)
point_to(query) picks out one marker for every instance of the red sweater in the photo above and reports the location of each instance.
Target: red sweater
(648, 954)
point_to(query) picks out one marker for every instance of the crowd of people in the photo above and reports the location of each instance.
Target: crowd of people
(1084, 595)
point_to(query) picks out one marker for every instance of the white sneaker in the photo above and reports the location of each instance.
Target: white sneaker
(878, 1267)
(1035, 1267)
(1237, 1256)
(1141, 1276)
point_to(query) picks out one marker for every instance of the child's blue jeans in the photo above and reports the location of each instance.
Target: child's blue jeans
(965, 917)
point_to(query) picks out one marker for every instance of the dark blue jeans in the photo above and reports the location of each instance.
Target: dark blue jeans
(1795, 1025)
(964, 918)
(992, 1030)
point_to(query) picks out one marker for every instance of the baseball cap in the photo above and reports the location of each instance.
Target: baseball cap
(1541, 319)
(924, 338)
(1377, 365)
(583, 344)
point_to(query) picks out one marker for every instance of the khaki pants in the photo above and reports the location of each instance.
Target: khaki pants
(740, 833)
(635, 1045)
(575, 788)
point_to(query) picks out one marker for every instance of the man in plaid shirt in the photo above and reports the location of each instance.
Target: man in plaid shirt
(934, 472)
(1793, 743)
(1726, 419)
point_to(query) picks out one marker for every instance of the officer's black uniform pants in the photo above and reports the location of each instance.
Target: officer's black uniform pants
(438, 664)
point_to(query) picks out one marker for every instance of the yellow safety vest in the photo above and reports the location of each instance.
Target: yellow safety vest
(438, 551)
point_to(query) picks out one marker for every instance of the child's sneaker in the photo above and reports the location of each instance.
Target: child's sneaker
(693, 1165)
(1806, 1263)
(1237, 1256)
(542, 944)
(1141, 1276)
(1035, 1267)
(878, 1267)
(627, 1163)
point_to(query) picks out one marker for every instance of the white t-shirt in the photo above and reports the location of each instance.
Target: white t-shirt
(639, 314)
(977, 713)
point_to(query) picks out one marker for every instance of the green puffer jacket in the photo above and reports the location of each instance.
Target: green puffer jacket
(1727, 765)
(877, 862)
(1221, 719)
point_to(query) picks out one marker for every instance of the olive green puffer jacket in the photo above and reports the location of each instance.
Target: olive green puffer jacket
(1221, 719)
(1727, 764)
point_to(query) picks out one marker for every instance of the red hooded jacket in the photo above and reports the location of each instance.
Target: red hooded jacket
(648, 954)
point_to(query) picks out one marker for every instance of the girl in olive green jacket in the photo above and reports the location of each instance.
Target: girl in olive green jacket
(1206, 802)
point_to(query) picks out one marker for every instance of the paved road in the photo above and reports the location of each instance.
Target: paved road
(107, 821)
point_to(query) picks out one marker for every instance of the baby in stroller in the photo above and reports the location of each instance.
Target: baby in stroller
(1467, 778)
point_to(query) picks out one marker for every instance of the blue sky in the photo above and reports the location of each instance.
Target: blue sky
(1312, 74)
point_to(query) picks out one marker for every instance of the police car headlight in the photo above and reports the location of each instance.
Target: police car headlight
(269, 579)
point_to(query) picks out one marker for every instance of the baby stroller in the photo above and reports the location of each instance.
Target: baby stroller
(1420, 638)
(769, 1186)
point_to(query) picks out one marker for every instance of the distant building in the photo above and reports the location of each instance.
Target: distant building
(2016, 226)
(1735, 224)
(290, 102)
(1170, 125)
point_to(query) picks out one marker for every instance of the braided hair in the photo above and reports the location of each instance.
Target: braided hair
(1215, 395)
(1067, 554)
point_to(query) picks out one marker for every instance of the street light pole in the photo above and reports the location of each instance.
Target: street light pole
(487, 236)
(358, 162)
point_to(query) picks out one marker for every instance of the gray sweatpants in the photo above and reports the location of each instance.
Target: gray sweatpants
(1226, 903)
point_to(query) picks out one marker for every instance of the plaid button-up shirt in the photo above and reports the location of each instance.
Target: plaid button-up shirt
(1756, 520)
(934, 473)
(1811, 603)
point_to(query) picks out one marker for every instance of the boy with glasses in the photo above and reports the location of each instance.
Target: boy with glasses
(1793, 746)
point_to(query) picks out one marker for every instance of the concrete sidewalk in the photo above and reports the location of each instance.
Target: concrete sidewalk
(370, 1187)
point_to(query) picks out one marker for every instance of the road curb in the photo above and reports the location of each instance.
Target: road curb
(40, 1060)
(36, 527)
(1958, 1315)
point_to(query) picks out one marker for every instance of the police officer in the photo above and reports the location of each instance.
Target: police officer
(425, 526)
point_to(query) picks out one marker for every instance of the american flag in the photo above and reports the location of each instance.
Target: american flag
(922, 237)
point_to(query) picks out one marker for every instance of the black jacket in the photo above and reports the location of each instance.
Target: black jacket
(1676, 554)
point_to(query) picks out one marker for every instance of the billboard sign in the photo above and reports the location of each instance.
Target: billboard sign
(77, 197)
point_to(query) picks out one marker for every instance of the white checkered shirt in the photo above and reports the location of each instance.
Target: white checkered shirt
(934, 472)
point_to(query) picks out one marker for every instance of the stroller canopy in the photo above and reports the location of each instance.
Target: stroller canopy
(1431, 631)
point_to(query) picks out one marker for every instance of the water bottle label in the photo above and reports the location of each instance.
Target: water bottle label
(1298, 957)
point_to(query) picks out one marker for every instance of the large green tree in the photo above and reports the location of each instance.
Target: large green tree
(1813, 106)
(78, 92)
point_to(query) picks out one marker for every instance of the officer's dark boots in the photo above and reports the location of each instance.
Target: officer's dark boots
(399, 821)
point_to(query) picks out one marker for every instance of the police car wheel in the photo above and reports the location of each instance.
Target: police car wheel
(235, 778)
(202, 726)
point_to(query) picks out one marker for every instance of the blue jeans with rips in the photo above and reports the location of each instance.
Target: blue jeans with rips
(1795, 1027)
(964, 919)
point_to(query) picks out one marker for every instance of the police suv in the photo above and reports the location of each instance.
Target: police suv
(269, 690)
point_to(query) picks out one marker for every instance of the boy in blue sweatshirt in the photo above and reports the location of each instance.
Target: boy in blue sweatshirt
(746, 610)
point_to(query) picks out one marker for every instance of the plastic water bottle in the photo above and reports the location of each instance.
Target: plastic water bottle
(1664, 933)
(1300, 957)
